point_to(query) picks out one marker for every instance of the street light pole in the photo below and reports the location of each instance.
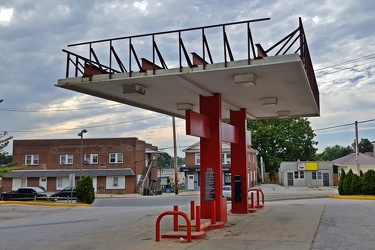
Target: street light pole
(81, 135)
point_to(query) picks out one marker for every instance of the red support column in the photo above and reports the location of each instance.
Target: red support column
(239, 161)
(210, 155)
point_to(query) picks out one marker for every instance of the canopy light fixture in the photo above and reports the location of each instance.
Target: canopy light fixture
(184, 106)
(133, 88)
(283, 114)
(245, 80)
(269, 101)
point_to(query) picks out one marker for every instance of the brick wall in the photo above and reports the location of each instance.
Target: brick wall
(49, 152)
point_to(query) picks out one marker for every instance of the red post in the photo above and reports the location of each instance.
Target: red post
(213, 217)
(252, 200)
(239, 160)
(211, 153)
(198, 219)
(258, 197)
(192, 205)
(175, 218)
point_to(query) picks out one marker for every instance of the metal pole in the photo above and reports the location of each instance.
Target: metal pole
(81, 135)
(175, 157)
(357, 148)
(80, 170)
(262, 168)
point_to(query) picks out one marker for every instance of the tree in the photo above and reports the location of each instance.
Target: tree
(363, 146)
(341, 182)
(332, 153)
(85, 190)
(280, 140)
(167, 161)
(4, 141)
(348, 182)
(368, 186)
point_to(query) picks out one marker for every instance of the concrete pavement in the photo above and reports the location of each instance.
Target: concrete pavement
(272, 227)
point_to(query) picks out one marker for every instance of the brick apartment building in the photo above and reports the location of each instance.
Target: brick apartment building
(192, 168)
(117, 165)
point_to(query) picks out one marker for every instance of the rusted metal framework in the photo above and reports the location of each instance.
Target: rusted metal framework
(295, 42)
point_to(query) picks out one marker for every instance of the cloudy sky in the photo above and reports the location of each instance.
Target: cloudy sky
(340, 34)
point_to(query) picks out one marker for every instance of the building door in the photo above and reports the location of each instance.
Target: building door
(43, 182)
(190, 182)
(290, 179)
(326, 179)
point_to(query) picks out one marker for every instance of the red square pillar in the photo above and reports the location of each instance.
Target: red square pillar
(211, 161)
(239, 162)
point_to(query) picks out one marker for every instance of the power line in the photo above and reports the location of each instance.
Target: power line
(349, 61)
(70, 129)
(342, 125)
(34, 110)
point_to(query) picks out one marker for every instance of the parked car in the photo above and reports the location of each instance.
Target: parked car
(227, 191)
(66, 192)
(25, 193)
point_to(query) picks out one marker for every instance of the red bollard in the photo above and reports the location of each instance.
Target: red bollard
(175, 218)
(213, 216)
(198, 219)
(192, 205)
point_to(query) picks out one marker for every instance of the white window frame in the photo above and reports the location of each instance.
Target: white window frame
(319, 175)
(66, 159)
(313, 175)
(23, 182)
(59, 182)
(302, 174)
(111, 182)
(118, 157)
(197, 159)
(115, 181)
(91, 158)
(32, 160)
(226, 158)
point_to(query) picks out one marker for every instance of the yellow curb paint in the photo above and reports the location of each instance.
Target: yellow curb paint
(350, 197)
(44, 204)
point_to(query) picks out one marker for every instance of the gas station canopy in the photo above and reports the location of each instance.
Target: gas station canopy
(267, 85)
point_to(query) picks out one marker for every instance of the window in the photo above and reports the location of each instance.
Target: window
(32, 159)
(23, 182)
(225, 158)
(301, 174)
(295, 174)
(313, 175)
(91, 158)
(319, 175)
(59, 182)
(197, 159)
(66, 159)
(115, 181)
(115, 158)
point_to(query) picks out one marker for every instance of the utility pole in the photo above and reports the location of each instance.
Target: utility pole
(357, 148)
(175, 157)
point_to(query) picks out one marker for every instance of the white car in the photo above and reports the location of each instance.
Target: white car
(227, 191)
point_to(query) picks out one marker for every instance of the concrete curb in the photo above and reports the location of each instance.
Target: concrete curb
(44, 204)
(352, 197)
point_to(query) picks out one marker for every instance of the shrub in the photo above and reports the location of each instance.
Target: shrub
(347, 183)
(85, 190)
(341, 182)
(368, 183)
(356, 185)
